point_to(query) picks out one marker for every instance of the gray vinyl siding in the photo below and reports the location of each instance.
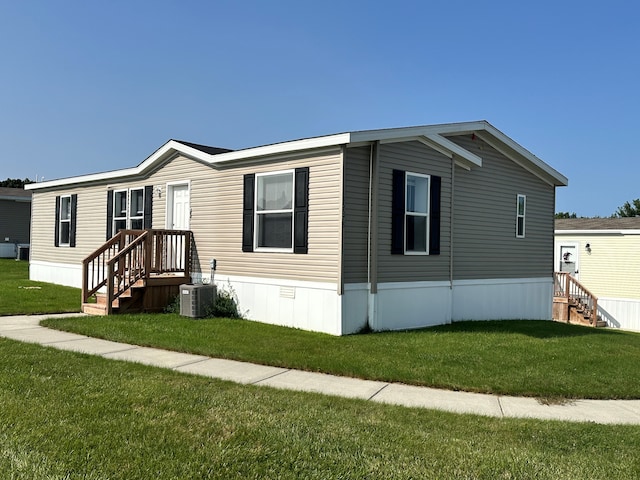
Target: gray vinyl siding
(15, 218)
(216, 217)
(417, 158)
(356, 215)
(485, 243)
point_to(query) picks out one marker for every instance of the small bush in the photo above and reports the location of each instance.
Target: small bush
(226, 304)
(173, 306)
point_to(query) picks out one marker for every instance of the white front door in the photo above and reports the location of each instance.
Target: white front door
(178, 218)
(568, 258)
(179, 207)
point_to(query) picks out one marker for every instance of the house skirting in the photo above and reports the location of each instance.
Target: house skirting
(311, 306)
(59, 273)
(316, 306)
(410, 305)
(621, 313)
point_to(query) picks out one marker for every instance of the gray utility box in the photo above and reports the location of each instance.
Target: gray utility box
(196, 300)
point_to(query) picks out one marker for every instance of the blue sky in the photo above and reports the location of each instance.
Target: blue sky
(89, 86)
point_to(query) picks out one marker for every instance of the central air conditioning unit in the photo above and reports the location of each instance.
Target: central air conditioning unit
(196, 300)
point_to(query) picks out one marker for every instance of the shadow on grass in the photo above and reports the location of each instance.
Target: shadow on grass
(531, 328)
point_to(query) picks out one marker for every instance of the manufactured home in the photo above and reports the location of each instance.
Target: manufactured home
(602, 255)
(381, 229)
(15, 222)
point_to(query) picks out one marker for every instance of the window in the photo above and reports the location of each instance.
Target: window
(136, 209)
(129, 209)
(119, 210)
(416, 213)
(520, 215)
(65, 221)
(275, 212)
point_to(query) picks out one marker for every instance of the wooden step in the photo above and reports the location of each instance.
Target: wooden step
(94, 309)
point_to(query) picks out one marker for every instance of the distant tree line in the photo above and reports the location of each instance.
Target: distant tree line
(628, 209)
(15, 182)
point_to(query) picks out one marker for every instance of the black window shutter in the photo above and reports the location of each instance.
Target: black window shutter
(397, 213)
(247, 213)
(74, 216)
(434, 216)
(56, 238)
(109, 214)
(301, 211)
(148, 206)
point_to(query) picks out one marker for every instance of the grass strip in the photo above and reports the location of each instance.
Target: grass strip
(529, 358)
(70, 416)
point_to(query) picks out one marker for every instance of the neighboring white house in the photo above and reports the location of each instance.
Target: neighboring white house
(604, 255)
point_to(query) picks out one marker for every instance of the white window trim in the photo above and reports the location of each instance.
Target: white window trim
(256, 248)
(127, 217)
(415, 214)
(523, 216)
(65, 220)
(136, 217)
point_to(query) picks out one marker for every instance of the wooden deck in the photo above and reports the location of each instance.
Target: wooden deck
(136, 270)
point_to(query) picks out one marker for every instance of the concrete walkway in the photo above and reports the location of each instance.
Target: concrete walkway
(27, 329)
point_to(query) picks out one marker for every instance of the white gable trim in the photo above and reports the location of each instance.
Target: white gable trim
(432, 135)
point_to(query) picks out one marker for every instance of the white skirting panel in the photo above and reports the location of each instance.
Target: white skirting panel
(621, 313)
(355, 308)
(306, 305)
(59, 273)
(409, 305)
(503, 299)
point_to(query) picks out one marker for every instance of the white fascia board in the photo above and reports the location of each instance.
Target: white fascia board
(163, 152)
(279, 148)
(497, 139)
(597, 232)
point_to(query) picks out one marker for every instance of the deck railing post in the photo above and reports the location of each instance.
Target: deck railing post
(187, 256)
(110, 278)
(148, 249)
(85, 281)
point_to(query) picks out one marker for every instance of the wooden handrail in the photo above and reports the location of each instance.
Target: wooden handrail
(565, 285)
(133, 255)
(127, 267)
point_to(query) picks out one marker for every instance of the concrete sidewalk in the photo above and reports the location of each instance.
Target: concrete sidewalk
(27, 329)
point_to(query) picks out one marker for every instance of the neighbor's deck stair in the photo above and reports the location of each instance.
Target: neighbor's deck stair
(144, 268)
(574, 303)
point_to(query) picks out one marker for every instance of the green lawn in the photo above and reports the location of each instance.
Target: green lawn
(71, 416)
(533, 358)
(20, 296)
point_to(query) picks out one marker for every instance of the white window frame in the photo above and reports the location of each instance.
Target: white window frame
(256, 224)
(62, 221)
(117, 216)
(131, 217)
(522, 216)
(417, 214)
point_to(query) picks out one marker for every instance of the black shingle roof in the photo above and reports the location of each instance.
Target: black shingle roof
(205, 148)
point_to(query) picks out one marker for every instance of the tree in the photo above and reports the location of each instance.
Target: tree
(14, 182)
(629, 209)
(566, 215)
